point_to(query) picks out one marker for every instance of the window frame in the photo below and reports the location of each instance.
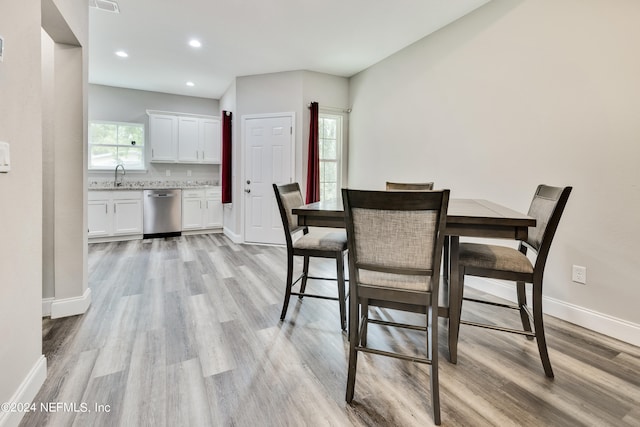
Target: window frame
(339, 147)
(143, 163)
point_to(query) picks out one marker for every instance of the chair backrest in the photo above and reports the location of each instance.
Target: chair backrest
(288, 196)
(396, 232)
(546, 207)
(409, 186)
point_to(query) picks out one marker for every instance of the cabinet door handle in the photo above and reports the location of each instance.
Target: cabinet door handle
(114, 208)
(106, 208)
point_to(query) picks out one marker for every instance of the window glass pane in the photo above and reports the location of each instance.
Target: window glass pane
(103, 133)
(329, 128)
(328, 150)
(330, 172)
(130, 157)
(111, 144)
(129, 134)
(102, 157)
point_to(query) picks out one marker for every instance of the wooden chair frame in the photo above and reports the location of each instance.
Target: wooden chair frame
(560, 195)
(289, 231)
(364, 296)
(409, 186)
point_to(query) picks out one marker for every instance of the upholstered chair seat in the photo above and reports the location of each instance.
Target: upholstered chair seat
(494, 257)
(322, 240)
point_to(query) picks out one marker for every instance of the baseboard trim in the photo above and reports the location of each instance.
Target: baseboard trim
(235, 238)
(46, 306)
(71, 306)
(605, 324)
(214, 230)
(26, 392)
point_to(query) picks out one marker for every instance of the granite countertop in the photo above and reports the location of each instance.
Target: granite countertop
(150, 185)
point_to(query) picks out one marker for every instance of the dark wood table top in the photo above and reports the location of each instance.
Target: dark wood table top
(465, 217)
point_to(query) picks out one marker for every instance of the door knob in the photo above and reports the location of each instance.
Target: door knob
(247, 190)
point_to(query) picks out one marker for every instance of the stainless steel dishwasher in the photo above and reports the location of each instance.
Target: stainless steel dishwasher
(162, 212)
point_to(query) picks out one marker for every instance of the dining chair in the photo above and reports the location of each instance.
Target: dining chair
(421, 186)
(322, 243)
(505, 263)
(409, 186)
(395, 248)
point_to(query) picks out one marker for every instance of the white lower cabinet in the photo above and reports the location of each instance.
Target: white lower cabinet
(201, 209)
(114, 213)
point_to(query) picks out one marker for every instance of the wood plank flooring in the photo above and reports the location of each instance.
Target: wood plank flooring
(185, 331)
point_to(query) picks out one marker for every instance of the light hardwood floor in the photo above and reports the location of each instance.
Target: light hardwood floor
(185, 331)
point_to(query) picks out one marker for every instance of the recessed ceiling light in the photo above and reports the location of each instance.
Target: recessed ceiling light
(191, 84)
(194, 43)
(122, 54)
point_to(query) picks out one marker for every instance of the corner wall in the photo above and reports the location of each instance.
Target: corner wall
(513, 95)
(289, 91)
(23, 366)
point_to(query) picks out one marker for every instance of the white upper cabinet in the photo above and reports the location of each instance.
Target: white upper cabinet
(210, 137)
(163, 136)
(186, 138)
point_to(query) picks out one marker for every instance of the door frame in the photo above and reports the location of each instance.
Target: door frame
(243, 120)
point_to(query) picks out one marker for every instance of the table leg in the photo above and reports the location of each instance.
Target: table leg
(454, 297)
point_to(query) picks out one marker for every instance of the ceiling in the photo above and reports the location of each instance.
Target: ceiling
(247, 37)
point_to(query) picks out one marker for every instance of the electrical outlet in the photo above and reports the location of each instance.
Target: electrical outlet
(189, 172)
(168, 172)
(579, 274)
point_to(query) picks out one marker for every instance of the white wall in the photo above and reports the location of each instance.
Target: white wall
(21, 191)
(129, 105)
(21, 216)
(289, 91)
(512, 95)
(64, 81)
(48, 168)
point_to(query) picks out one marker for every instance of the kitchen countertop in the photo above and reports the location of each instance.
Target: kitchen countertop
(150, 185)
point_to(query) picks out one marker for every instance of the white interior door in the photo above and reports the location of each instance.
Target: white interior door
(268, 160)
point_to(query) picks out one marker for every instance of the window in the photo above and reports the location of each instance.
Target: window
(330, 147)
(113, 143)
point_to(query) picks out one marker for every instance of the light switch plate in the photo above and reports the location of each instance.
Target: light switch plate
(5, 161)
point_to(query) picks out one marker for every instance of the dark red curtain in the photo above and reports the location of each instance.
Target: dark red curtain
(226, 156)
(313, 164)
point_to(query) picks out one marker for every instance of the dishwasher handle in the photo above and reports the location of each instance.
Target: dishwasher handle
(162, 195)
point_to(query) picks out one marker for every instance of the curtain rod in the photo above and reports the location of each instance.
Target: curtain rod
(342, 110)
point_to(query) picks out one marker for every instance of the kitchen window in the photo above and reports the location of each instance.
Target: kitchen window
(330, 148)
(114, 143)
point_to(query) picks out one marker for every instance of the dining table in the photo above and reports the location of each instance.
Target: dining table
(465, 218)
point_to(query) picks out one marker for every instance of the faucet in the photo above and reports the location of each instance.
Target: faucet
(115, 177)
